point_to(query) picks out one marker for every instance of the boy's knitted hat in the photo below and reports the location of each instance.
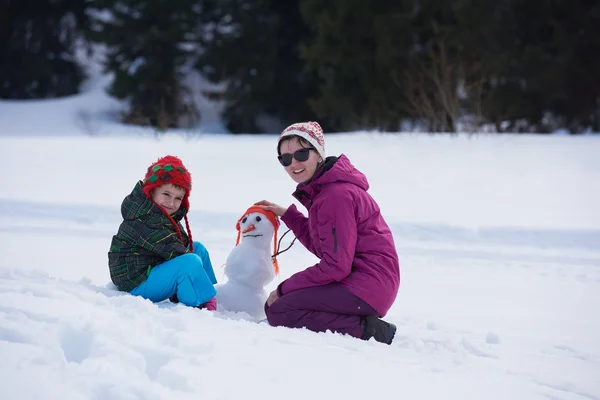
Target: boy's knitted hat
(272, 217)
(311, 131)
(170, 170)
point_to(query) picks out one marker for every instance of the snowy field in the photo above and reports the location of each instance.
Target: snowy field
(498, 237)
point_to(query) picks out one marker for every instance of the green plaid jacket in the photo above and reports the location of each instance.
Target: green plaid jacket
(146, 238)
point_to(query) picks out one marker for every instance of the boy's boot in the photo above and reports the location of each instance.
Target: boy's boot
(210, 305)
(378, 329)
(174, 298)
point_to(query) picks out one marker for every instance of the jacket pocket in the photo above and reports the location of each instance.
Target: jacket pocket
(334, 239)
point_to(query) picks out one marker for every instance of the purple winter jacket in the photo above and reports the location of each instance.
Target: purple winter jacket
(346, 231)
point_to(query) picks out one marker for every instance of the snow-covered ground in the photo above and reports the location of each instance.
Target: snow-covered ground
(498, 236)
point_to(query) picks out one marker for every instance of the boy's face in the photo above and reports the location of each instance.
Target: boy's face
(168, 196)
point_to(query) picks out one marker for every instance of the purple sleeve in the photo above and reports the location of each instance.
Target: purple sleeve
(298, 223)
(337, 234)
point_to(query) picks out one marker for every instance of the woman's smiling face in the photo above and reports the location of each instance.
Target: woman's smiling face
(300, 171)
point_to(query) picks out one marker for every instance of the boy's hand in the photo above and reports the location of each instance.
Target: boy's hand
(267, 205)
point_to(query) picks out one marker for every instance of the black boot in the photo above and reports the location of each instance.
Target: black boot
(378, 329)
(174, 298)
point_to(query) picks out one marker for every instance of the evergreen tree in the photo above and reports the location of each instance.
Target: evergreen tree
(359, 51)
(149, 44)
(541, 60)
(574, 88)
(37, 48)
(253, 48)
(512, 63)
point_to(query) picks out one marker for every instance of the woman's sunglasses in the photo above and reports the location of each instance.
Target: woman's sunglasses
(299, 155)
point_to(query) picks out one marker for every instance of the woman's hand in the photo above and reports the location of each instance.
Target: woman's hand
(272, 298)
(267, 205)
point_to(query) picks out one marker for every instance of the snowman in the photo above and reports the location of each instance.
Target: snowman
(250, 265)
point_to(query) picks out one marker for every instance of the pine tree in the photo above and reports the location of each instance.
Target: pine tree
(253, 47)
(511, 63)
(359, 52)
(149, 42)
(37, 48)
(541, 61)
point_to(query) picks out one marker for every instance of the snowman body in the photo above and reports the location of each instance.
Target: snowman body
(248, 269)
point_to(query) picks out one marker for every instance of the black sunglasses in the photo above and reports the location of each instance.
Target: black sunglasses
(299, 155)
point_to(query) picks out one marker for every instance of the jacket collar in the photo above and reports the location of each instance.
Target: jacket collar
(307, 191)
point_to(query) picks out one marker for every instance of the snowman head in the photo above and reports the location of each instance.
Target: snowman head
(258, 224)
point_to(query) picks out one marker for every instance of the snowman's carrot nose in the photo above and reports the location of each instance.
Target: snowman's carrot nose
(250, 228)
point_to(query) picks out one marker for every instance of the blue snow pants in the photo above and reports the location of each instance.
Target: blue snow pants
(190, 275)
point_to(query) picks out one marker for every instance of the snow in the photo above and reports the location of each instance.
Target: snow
(498, 237)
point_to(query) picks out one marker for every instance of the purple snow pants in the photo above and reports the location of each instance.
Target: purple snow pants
(320, 308)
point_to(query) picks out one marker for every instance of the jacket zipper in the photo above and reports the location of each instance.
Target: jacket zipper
(334, 239)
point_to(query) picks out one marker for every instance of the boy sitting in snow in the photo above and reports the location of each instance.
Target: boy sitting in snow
(151, 255)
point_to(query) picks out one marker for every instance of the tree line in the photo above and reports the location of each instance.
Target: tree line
(441, 65)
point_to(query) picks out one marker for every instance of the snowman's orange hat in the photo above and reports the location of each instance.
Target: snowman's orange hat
(272, 217)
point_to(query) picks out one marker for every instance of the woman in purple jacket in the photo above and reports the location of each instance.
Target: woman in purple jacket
(357, 278)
